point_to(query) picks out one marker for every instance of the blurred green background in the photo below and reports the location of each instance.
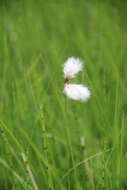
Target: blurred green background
(46, 141)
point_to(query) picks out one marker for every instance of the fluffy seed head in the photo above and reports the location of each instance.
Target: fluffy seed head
(71, 67)
(77, 92)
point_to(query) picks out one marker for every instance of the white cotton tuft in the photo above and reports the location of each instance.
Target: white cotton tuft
(72, 66)
(77, 92)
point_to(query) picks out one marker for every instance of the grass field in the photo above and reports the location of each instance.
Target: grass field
(46, 140)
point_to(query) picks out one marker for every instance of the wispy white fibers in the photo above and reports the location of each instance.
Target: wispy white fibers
(71, 67)
(77, 92)
(74, 91)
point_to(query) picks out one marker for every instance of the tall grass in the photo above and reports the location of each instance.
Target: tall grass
(46, 141)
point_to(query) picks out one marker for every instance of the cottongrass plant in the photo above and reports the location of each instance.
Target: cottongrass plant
(77, 92)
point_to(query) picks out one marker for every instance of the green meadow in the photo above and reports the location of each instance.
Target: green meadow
(47, 141)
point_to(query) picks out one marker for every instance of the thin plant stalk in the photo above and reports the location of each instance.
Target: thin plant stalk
(24, 157)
